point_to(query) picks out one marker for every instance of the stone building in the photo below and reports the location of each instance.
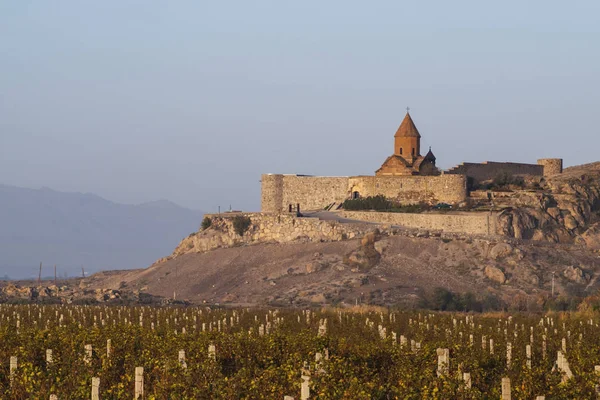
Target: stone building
(407, 158)
(406, 177)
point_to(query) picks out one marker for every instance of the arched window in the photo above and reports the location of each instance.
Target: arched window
(400, 150)
(413, 151)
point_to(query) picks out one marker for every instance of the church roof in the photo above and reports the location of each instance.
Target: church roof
(407, 128)
(429, 155)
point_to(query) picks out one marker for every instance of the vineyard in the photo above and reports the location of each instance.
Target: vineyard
(94, 352)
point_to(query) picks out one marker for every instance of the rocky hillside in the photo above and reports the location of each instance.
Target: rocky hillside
(567, 210)
(377, 269)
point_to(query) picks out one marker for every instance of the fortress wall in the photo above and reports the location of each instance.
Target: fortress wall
(469, 223)
(316, 192)
(489, 170)
(311, 192)
(412, 189)
(552, 166)
(271, 192)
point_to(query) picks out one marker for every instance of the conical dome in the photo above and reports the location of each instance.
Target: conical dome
(407, 128)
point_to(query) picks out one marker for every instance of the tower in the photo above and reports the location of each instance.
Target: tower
(407, 140)
(407, 158)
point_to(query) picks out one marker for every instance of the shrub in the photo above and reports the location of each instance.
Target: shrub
(410, 208)
(381, 203)
(377, 203)
(444, 300)
(206, 223)
(504, 180)
(241, 224)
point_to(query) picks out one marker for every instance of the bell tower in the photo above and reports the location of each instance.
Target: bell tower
(407, 140)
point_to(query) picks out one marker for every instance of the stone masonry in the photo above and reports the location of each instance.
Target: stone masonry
(315, 193)
(481, 223)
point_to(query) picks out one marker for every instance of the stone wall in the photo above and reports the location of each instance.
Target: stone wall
(275, 228)
(313, 192)
(271, 192)
(552, 166)
(278, 192)
(483, 223)
(412, 189)
(287, 228)
(488, 170)
(316, 192)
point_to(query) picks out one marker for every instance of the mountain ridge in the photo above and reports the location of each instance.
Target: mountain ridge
(72, 229)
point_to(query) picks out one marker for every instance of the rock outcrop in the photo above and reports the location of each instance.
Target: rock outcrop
(266, 228)
(564, 212)
(501, 250)
(574, 274)
(494, 274)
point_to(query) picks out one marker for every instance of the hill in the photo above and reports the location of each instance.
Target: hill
(405, 269)
(544, 236)
(75, 229)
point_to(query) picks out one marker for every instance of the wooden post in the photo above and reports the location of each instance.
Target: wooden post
(506, 389)
(87, 358)
(305, 388)
(13, 368)
(508, 354)
(212, 352)
(108, 347)
(181, 359)
(48, 356)
(95, 388)
(544, 347)
(403, 341)
(288, 398)
(443, 367)
(467, 380)
(139, 383)
(540, 398)
(563, 367)
(528, 354)
(53, 397)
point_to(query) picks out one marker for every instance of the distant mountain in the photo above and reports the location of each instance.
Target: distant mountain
(76, 229)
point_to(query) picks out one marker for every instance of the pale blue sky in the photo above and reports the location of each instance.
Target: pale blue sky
(193, 100)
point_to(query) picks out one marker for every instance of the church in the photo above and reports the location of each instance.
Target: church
(407, 158)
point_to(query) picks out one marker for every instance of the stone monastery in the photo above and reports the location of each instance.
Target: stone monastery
(406, 176)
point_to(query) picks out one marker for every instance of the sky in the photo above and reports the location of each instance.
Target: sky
(192, 101)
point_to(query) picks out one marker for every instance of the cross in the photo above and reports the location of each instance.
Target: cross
(407, 109)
